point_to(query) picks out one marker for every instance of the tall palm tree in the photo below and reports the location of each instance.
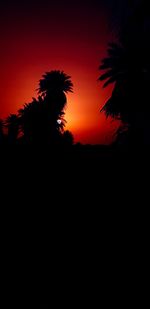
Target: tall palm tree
(128, 67)
(121, 70)
(42, 120)
(53, 88)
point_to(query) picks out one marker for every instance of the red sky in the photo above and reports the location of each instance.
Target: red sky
(35, 40)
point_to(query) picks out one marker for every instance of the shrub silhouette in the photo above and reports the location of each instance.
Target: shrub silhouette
(12, 125)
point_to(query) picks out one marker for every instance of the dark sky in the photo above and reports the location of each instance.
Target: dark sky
(37, 36)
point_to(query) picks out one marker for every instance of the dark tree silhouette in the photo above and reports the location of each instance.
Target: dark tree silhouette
(42, 120)
(128, 66)
(55, 82)
(12, 125)
(31, 121)
(53, 88)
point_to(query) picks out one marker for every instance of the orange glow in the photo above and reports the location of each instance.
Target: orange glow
(27, 52)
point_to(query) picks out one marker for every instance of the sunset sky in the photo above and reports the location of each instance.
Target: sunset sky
(39, 36)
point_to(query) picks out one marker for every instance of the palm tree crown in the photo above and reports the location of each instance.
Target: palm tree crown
(53, 88)
(55, 81)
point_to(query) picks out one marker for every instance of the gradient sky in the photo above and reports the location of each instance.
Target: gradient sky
(39, 36)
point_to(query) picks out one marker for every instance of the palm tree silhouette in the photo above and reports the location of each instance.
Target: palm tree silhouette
(12, 125)
(42, 120)
(53, 88)
(120, 70)
(128, 67)
(55, 82)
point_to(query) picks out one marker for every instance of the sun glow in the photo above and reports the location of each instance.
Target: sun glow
(25, 60)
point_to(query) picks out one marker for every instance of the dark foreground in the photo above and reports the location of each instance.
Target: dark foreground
(56, 203)
(75, 159)
(74, 169)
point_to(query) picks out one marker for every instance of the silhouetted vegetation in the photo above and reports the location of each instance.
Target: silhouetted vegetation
(68, 139)
(12, 125)
(41, 122)
(128, 66)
